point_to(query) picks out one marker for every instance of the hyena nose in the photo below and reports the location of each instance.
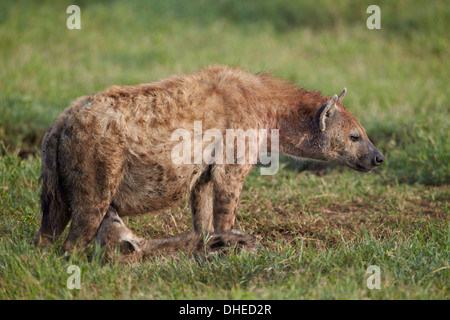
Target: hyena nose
(378, 159)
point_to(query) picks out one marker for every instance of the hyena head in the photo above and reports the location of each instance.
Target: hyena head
(343, 139)
(113, 234)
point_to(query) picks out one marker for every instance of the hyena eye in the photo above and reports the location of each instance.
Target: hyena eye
(355, 138)
(116, 221)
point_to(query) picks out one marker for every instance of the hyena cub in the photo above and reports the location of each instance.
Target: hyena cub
(113, 234)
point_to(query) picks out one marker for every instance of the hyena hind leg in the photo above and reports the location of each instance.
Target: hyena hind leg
(83, 228)
(92, 202)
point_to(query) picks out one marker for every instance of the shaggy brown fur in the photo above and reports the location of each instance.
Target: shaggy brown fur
(114, 148)
(113, 234)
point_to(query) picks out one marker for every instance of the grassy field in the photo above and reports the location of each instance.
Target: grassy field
(318, 233)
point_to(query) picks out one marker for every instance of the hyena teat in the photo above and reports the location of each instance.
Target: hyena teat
(113, 234)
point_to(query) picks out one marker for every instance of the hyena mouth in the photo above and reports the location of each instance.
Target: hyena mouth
(358, 167)
(361, 168)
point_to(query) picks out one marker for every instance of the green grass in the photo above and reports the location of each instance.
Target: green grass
(317, 234)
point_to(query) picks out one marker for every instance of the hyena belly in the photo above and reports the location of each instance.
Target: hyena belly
(148, 186)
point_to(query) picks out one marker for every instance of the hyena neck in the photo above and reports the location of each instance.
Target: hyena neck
(299, 134)
(290, 109)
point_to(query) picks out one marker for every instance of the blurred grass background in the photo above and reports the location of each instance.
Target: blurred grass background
(397, 76)
(319, 233)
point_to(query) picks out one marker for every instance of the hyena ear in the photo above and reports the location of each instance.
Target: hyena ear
(341, 96)
(129, 245)
(326, 112)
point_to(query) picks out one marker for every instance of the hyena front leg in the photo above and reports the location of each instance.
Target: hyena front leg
(228, 182)
(202, 206)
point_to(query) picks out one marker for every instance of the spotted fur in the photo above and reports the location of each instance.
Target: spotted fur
(114, 148)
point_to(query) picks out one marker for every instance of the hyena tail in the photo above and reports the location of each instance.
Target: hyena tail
(55, 213)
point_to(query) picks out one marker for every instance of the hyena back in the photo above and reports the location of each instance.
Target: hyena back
(114, 148)
(113, 234)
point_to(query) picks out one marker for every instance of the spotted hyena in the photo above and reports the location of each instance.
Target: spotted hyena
(114, 148)
(113, 234)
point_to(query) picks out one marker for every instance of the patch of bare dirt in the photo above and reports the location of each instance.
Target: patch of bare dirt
(318, 224)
